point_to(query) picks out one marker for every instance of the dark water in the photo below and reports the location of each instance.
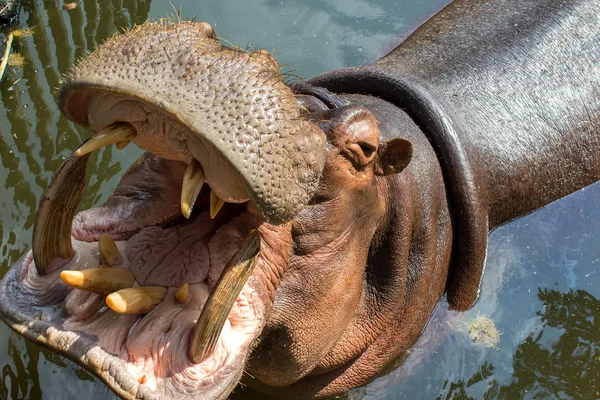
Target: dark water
(541, 286)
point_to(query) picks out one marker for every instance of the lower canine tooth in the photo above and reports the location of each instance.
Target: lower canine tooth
(215, 204)
(193, 179)
(115, 133)
(182, 294)
(109, 252)
(138, 300)
(99, 280)
(207, 330)
(53, 221)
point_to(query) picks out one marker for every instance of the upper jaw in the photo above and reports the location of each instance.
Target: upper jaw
(235, 103)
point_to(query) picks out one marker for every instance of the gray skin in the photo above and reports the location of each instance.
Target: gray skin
(487, 112)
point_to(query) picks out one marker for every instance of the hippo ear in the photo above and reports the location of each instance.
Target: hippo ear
(393, 156)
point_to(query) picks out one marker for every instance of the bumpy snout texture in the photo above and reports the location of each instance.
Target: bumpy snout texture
(220, 104)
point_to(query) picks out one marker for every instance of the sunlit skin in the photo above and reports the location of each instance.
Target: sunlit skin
(337, 220)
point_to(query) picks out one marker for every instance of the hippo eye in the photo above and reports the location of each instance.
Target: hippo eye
(367, 149)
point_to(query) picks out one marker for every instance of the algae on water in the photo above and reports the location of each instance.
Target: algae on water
(15, 60)
(20, 33)
(482, 331)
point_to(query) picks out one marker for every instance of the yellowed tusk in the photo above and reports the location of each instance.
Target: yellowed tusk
(138, 300)
(121, 145)
(204, 337)
(182, 295)
(193, 179)
(215, 204)
(54, 219)
(109, 252)
(99, 280)
(115, 133)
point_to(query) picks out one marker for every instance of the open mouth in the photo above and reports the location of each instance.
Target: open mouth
(173, 304)
(162, 291)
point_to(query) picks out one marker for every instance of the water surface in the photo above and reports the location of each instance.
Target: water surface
(541, 287)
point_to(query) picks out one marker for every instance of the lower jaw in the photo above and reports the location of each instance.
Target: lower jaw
(138, 356)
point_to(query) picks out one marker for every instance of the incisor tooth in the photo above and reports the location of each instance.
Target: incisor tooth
(215, 204)
(109, 252)
(115, 133)
(182, 294)
(193, 179)
(138, 300)
(99, 280)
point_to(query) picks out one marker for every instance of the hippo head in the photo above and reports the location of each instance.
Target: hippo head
(252, 199)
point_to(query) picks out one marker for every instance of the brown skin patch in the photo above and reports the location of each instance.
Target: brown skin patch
(371, 252)
(332, 237)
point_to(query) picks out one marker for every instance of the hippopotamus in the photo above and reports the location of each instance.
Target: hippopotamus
(303, 233)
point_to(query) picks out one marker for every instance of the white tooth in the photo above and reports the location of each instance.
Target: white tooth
(99, 280)
(215, 204)
(115, 133)
(193, 179)
(139, 300)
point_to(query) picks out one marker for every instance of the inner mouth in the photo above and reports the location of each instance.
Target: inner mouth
(161, 283)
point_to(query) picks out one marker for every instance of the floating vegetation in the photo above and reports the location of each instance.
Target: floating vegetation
(482, 331)
(21, 33)
(69, 6)
(16, 60)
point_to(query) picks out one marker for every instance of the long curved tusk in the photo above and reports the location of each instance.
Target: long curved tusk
(52, 228)
(205, 335)
(121, 145)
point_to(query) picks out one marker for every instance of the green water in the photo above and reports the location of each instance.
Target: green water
(540, 286)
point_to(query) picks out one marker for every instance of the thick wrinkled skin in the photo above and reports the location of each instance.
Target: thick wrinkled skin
(249, 118)
(487, 112)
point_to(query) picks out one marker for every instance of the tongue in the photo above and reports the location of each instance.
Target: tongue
(148, 194)
(171, 256)
(188, 252)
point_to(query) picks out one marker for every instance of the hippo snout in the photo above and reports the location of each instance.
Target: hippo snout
(187, 96)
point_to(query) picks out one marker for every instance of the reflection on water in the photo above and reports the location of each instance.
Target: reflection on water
(540, 284)
(570, 365)
(561, 359)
